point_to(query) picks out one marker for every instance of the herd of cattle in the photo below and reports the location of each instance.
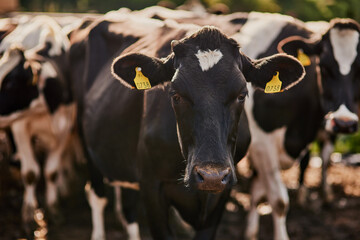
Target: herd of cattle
(164, 104)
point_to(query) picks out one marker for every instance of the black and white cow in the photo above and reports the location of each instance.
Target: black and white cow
(34, 97)
(260, 35)
(327, 135)
(191, 112)
(282, 132)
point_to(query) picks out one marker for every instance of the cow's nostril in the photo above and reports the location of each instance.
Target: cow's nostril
(199, 177)
(226, 178)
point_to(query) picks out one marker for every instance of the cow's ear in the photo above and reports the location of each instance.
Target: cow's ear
(135, 67)
(296, 45)
(282, 67)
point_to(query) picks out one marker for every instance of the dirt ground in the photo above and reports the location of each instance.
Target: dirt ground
(339, 220)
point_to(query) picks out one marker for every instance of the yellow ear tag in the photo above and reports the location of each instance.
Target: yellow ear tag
(140, 80)
(303, 58)
(274, 85)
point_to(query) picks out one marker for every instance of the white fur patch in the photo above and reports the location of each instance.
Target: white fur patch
(30, 196)
(344, 113)
(48, 71)
(344, 43)
(97, 205)
(33, 34)
(317, 27)
(133, 231)
(208, 59)
(341, 113)
(176, 74)
(259, 31)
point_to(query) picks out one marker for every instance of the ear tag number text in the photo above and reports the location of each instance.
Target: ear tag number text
(274, 85)
(140, 80)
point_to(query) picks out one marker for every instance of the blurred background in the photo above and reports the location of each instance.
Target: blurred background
(306, 10)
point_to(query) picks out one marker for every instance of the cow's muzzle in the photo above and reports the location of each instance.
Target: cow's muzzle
(212, 179)
(341, 121)
(344, 125)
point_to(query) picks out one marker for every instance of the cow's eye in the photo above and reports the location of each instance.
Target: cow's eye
(241, 97)
(176, 98)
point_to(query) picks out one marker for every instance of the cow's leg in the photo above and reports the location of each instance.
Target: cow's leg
(130, 205)
(59, 131)
(266, 161)
(51, 172)
(95, 191)
(30, 169)
(59, 155)
(157, 211)
(279, 200)
(257, 193)
(65, 175)
(326, 152)
(303, 191)
(118, 207)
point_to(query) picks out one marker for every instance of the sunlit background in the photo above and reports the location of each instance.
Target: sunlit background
(306, 10)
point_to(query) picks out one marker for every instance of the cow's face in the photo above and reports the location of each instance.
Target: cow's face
(340, 77)
(339, 63)
(208, 75)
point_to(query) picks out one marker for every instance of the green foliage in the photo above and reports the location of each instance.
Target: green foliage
(348, 143)
(306, 10)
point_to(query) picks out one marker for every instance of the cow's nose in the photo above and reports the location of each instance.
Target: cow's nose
(212, 179)
(345, 126)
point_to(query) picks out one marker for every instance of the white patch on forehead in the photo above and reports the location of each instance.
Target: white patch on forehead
(209, 58)
(259, 31)
(8, 62)
(344, 43)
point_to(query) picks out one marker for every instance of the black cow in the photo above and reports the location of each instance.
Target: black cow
(325, 99)
(191, 112)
